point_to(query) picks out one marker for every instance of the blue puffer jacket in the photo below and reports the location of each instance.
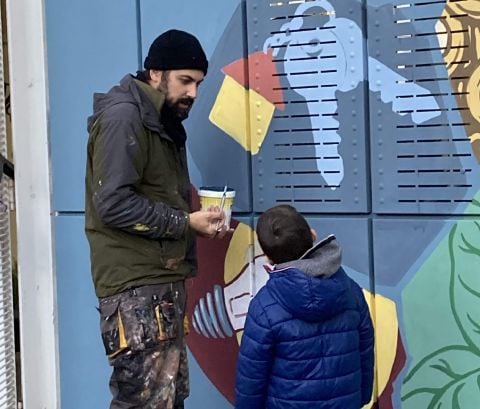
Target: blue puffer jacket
(308, 338)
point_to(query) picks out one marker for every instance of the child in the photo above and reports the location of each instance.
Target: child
(308, 337)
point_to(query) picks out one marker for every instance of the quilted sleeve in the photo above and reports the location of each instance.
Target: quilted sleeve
(255, 360)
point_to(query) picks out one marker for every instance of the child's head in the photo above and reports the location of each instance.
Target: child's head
(284, 234)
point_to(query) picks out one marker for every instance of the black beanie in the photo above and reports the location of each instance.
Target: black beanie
(176, 50)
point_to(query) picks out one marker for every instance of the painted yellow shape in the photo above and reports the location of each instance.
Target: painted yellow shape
(261, 113)
(385, 322)
(235, 107)
(229, 112)
(239, 252)
(239, 335)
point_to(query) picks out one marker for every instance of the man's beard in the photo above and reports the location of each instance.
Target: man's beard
(181, 107)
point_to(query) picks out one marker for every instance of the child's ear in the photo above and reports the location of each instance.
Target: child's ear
(314, 235)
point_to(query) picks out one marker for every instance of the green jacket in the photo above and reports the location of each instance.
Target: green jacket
(137, 193)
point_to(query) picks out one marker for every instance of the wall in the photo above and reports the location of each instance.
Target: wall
(364, 115)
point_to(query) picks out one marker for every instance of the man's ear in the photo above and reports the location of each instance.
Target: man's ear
(314, 235)
(155, 77)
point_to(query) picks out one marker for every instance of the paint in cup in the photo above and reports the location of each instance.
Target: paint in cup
(217, 196)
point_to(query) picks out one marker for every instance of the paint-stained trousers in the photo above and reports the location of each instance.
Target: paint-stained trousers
(142, 331)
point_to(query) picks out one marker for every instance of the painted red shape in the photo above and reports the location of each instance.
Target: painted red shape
(263, 76)
(216, 356)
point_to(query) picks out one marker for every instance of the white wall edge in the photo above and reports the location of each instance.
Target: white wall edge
(37, 290)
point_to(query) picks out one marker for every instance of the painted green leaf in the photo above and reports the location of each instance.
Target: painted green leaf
(464, 394)
(439, 374)
(464, 247)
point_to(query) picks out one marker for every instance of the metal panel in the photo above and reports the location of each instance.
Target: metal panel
(83, 364)
(314, 153)
(91, 46)
(398, 244)
(422, 158)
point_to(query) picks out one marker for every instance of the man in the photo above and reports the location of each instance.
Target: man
(139, 225)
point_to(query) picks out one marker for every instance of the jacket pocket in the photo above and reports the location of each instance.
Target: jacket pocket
(172, 253)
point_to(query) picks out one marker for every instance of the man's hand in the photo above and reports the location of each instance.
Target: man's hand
(210, 224)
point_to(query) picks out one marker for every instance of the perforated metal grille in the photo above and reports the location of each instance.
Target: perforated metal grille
(309, 157)
(419, 69)
(7, 344)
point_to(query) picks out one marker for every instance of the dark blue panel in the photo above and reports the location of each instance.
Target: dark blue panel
(398, 245)
(84, 371)
(91, 45)
(314, 153)
(215, 157)
(422, 160)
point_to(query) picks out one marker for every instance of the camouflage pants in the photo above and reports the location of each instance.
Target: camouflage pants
(142, 331)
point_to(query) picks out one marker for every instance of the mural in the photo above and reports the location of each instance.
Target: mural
(365, 117)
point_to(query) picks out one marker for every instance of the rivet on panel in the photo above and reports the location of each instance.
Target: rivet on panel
(257, 75)
(352, 69)
(254, 6)
(352, 54)
(355, 156)
(260, 173)
(255, 33)
(380, 156)
(258, 104)
(378, 68)
(255, 20)
(382, 200)
(381, 186)
(354, 113)
(352, 40)
(377, 39)
(355, 171)
(261, 200)
(350, 11)
(378, 83)
(355, 186)
(257, 62)
(354, 128)
(259, 117)
(380, 127)
(356, 200)
(377, 53)
(354, 142)
(377, 23)
(256, 48)
(257, 89)
(380, 171)
(259, 131)
(260, 187)
(351, 25)
(260, 159)
(354, 98)
(379, 112)
(380, 142)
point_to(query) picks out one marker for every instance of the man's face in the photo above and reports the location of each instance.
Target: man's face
(180, 88)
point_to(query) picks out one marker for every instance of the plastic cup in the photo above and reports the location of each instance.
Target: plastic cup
(213, 196)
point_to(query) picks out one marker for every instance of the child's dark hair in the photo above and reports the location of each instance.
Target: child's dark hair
(284, 234)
